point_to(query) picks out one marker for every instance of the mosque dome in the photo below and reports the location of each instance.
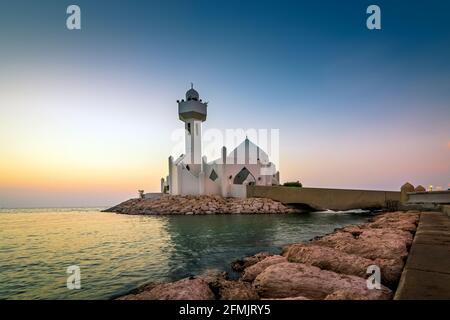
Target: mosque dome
(192, 94)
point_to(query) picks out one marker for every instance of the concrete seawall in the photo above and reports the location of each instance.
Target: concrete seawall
(427, 271)
(323, 198)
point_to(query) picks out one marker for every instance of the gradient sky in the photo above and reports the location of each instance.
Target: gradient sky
(86, 116)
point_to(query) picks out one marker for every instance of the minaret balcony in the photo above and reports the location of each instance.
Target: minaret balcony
(192, 109)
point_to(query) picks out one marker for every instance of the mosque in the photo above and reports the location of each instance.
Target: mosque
(192, 174)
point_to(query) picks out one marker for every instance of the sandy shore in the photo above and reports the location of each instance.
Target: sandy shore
(330, 267)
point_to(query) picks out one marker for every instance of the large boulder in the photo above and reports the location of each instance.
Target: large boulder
(391, 271)
(370, 243)
(406, 221)
(250, 273)
(327, 258)
(185, 289)
(225, 289)
(288, 279)
(235, 290)
(212, 276)
(240, 264)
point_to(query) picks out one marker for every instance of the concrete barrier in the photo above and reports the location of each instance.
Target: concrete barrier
(323, 198)
(427, 271)
(446, 209)
(429, 197)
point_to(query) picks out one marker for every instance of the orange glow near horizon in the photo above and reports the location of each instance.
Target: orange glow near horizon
(101, 146)
(41, 170)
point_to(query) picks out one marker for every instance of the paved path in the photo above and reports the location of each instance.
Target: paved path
(427, 271)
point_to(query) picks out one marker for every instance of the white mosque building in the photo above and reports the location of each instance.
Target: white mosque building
(227, 176)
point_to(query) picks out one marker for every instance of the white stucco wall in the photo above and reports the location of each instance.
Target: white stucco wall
(189, 183)
(212, 187)
(238, 191)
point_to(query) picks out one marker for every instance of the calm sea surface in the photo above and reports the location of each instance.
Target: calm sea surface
(116, 252)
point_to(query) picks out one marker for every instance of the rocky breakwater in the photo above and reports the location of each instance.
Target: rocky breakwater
(331, 267)
(200, 205)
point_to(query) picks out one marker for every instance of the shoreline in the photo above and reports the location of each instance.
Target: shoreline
(201, 205)
(331, 267)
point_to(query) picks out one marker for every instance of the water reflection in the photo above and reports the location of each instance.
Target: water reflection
(201, 242)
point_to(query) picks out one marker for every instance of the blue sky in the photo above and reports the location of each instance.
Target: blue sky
(355, 108)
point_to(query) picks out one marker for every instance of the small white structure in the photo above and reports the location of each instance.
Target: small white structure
(227, 176)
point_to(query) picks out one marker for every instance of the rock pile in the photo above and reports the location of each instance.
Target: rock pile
(210, 285)
(332, 267)
(200, 205)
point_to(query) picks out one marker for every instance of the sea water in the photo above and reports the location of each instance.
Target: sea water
(116, 253)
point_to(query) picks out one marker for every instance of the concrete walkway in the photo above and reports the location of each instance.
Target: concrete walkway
(427, 271)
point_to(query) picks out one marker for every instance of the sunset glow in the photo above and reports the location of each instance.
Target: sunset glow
(91, 113)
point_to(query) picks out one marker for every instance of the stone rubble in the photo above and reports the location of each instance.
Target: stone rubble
(213, 204)
(241, 264)
(184, 289)
(250, 273)
(287, 279)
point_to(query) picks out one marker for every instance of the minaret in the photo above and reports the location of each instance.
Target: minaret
(192, 112)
